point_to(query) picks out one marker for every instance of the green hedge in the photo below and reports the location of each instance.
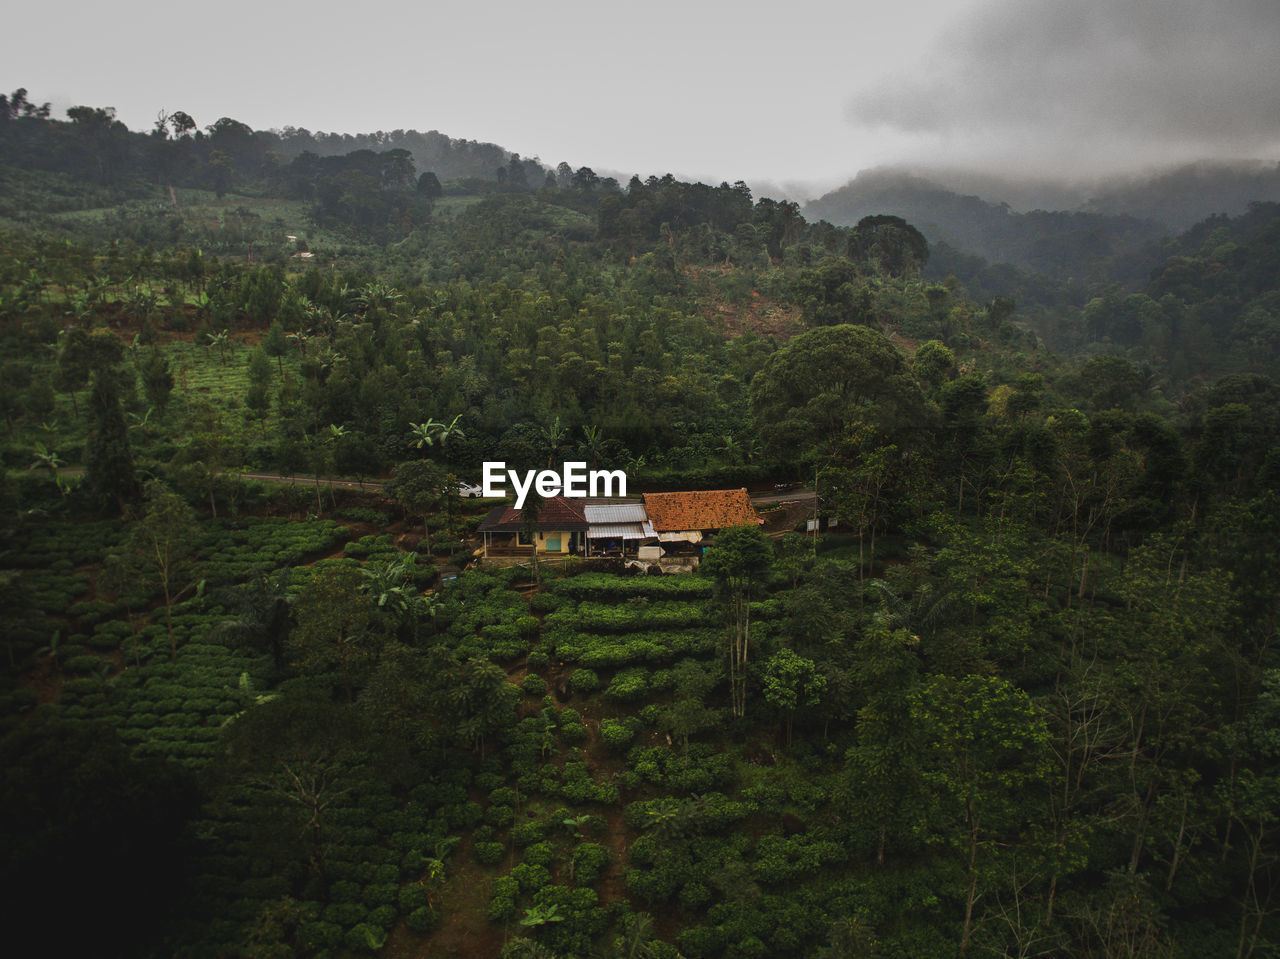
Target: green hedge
(606, 586)
(597, 617)
(488, 853)
(606, 652)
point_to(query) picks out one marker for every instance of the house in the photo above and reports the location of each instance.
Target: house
(683, 520)
(561, 530)
(620, 530)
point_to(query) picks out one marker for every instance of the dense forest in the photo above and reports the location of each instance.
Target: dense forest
(1020, 699)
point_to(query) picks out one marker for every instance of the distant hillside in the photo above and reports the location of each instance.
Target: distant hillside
(1184, 196)
(449, 158)
(1064, 245)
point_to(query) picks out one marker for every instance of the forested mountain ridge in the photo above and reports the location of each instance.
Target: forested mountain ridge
(97, 146)
(1062, 245)
(1021, 700)
(1061, 231)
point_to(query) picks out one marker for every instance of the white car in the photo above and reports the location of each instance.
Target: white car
(469, 490)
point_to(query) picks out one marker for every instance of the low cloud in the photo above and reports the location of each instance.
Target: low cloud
(1095, 83)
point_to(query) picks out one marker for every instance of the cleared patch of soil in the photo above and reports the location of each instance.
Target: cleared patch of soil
(758, 315)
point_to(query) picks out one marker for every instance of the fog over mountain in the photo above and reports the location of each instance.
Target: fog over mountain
(1062, 229)
(800, 98)
(1088, 88)
(1175, 197)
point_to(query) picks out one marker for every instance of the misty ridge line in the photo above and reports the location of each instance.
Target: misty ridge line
(1174, 195)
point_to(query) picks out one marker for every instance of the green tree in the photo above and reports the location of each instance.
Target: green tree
(882, 774)
(157, 381)
(304, 755)
(392, 584)
(824, 381)
(429, 187)
(160, 548)
(856, 494)
(73, 367)
(276, 344)
(791, 681)
(889, 244)
(553, 436)
(594, 443)
(219, 340)
(210, 448)
(338, 625)
(259, 614)
(46, 459)
(794, 556)
(738, 560)
(258, 399)
(418, 486)
(434, 432)
(479, 701)
(933, 364)
(983, 752)
(110, 479)
(687, 713)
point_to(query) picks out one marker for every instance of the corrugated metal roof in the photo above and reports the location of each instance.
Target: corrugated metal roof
(616, 513)
(616, 531)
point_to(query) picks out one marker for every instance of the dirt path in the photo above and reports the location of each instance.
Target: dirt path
(464, 931)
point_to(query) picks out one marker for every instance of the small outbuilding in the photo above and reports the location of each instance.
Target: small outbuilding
(684, 520)
(620, 530)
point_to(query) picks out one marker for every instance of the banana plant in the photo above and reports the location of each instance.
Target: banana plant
(46, 459)
(536, 916)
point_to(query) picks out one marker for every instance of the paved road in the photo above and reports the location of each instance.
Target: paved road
(790, 496)
(377, 486)
(369, 486)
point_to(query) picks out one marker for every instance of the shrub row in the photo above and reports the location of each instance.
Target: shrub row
(604, 652)
(597, 617)
(605, 586)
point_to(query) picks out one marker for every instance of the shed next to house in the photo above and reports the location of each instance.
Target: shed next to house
(684, 519)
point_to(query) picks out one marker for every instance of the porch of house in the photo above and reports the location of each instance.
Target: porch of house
(551, 545)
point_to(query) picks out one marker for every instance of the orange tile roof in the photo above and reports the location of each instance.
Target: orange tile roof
(705, 509)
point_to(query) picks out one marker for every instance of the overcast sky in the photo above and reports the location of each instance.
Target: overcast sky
(807, 91)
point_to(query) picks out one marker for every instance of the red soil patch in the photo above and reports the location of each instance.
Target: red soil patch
(906, 346)
(613, 883)
(126, 327)
(759, 316)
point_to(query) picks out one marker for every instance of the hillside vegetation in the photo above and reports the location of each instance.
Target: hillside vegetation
(1020, 699)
